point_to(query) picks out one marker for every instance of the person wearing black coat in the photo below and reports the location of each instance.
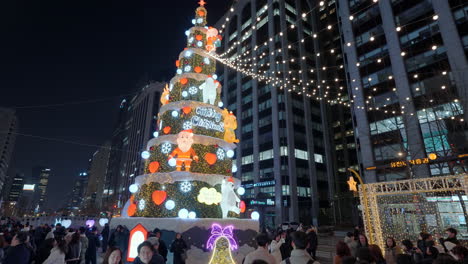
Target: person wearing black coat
(178, 247)
(313, 242)
(162, 245)
(19, 252)
(93, 244)
(105, 237)
(44, 250)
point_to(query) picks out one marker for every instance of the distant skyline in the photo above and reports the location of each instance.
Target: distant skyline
(65, 67)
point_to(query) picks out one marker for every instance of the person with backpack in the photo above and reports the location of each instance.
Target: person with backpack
(299, 254)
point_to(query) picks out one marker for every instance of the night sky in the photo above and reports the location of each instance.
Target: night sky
(65, 66)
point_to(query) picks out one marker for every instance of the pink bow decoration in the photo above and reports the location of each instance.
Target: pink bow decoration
(218, 231)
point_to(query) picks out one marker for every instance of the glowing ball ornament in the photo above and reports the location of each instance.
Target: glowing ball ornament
(175, 113)
(170, 204)
(188, 54)
(199, 20)
(255, 215)
(187, 68)
(241, 191)
(190, 40)
(172, 162)
(90, 222)
(234, 168)
(179, 71)
(199, 43)
(192, 215)
(230, 153)
(156, 134)
(206, 61)
(187, 33)
(183, 213)
(220, 104)
(193, 21)
(145, 154)
(214, 76)
(133, 188)
(184, 94)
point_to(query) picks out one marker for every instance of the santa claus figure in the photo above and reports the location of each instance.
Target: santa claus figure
(184, 153)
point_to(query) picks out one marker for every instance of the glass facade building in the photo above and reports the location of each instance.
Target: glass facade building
(285, 156)
(407, 73)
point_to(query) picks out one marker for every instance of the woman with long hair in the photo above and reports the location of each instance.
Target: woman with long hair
(113, 256)
(74, 249)
(377, 255)
(57, 254)
(275, 246)
(391, 250)
(342, 250)
(362, 241)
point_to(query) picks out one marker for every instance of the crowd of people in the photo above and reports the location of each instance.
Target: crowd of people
(285, 247)
(55, 244)
(355, 248)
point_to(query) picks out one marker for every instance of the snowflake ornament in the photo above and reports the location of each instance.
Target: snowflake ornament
(166, 148)
(185, 186)
(220, 154)
(141, 204)
(187, 125)
(193, 90)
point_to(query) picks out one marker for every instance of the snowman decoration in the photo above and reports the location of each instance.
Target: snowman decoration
(209, 88)
(229, 201)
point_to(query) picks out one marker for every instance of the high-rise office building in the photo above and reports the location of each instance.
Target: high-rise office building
(96, 179)
(40, 177)
(8, 127)
(75, 200)
(285, 155)
(113, 179)
(139, 126)
(408, 75)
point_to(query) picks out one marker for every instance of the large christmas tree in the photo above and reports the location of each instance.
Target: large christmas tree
(189, 162)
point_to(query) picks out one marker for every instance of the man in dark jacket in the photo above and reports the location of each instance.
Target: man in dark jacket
(105, 237)
(119, 238)
(162, 245)
(451, 237)
(313, 242)
(93, 244)
(19, 252)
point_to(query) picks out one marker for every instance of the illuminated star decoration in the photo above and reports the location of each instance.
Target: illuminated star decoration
(202, 3)
(352, 184)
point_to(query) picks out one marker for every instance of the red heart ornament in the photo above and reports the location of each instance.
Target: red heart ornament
(159, 197)
(211, 158)
(242, 206)
(153, 166)
(131, 209)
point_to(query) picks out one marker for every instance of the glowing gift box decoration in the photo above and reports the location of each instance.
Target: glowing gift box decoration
(137, 236)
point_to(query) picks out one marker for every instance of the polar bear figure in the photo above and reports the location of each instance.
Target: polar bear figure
(229, 201)
(209, 88)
